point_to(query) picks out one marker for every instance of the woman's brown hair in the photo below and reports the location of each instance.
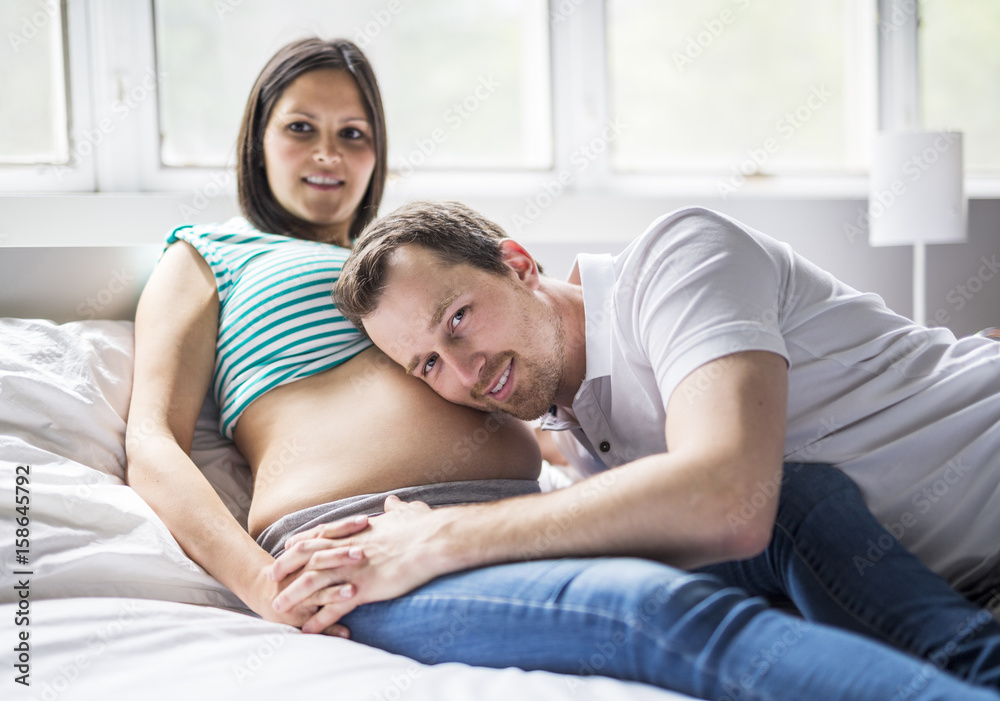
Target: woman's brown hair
(256, 199)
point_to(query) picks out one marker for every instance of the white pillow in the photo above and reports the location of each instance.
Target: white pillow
(65, 389)
(64, 396)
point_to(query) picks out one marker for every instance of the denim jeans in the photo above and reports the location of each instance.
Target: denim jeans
(830, 557)
(697, 633)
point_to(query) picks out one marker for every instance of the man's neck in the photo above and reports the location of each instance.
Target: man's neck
(566, 301)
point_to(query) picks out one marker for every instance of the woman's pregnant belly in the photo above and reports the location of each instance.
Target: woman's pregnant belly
(365, 426)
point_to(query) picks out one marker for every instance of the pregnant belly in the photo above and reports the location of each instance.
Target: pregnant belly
(363, 427)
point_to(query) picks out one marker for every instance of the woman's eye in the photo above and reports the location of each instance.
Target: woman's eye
(455, 320)
(300, 127)
(352, 133)
(429, 365)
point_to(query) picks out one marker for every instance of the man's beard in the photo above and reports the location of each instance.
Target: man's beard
(536, 383)
(535, 390)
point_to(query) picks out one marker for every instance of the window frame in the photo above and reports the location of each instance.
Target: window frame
(110, 45)
(79, 175)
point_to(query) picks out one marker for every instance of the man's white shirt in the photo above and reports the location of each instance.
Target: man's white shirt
(911, 414)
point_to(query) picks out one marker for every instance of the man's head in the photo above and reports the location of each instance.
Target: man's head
(445, 294)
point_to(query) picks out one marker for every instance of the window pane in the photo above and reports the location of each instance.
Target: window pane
(711, 85)
(960, 75)
(33, 125)
(464, 84)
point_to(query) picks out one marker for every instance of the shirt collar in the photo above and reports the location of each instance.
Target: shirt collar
(597, 277)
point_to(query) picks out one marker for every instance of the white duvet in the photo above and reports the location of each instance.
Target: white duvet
(110, 605)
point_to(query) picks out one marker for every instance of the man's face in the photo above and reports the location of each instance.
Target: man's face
(478, 339)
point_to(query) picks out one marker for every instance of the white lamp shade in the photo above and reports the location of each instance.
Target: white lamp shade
(916, 189)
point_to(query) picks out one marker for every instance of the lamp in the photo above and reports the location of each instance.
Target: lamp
(917, 196)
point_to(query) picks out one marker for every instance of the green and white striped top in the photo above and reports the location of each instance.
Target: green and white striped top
(277, 320)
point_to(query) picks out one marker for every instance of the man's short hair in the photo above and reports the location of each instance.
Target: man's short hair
(453, 232)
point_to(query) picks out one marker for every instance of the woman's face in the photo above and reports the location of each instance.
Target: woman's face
(318, 151)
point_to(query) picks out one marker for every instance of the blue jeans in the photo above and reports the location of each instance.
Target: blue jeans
(694, 633)
(830, 557)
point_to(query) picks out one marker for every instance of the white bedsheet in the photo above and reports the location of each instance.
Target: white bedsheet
(113, 649)
(116, 609)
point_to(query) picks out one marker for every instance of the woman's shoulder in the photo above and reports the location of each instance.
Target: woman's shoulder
(235, 229)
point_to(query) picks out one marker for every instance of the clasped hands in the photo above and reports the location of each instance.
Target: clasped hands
(341, 565)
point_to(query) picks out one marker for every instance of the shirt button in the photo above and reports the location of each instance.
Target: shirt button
(605, 446)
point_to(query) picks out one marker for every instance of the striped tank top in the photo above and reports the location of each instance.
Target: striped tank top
(277, 320)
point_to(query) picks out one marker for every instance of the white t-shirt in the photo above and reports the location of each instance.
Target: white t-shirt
(910, 413)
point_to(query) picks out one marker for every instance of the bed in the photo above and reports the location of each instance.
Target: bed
(99, 601)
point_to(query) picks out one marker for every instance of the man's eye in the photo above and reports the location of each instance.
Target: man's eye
(455, 320)
(429, 365)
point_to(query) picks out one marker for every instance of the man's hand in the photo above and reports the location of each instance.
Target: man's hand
(338, 568)
(261, 602)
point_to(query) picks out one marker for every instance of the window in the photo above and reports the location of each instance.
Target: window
(960, 75)
(33, 83)
(497, 96)
(763, 85)
(465, 85)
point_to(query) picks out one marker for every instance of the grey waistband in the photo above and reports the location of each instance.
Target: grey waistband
(273, 537)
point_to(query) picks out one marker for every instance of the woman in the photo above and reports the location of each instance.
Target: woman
(323, 417)
(311, 165)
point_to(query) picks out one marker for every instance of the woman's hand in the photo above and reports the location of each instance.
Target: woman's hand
(345, 564)
(266, 589)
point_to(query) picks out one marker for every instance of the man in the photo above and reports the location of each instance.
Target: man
(704, 336)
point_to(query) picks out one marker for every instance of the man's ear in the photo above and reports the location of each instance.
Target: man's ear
(521, 262)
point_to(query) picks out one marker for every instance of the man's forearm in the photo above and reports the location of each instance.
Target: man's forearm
(657, 507)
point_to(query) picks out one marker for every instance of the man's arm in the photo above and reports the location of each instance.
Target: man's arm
(725, 429)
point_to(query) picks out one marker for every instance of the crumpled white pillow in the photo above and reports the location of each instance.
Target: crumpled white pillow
(65, 390)
(64, 397)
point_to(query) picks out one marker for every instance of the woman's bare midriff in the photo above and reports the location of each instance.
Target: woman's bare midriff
(363, 427)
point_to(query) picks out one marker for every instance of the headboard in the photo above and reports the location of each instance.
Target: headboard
(88, 256)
